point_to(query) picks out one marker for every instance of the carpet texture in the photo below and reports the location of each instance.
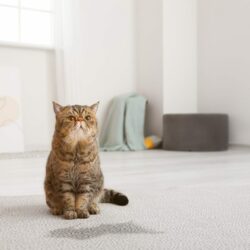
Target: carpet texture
(180, 218)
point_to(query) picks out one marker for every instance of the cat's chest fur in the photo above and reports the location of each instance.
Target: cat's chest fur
(80, 174)
(77, 170)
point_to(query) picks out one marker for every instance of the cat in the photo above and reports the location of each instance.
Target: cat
(74, 180)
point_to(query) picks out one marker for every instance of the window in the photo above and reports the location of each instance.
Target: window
(27, 22)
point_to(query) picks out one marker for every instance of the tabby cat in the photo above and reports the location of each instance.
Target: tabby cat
(74, 180)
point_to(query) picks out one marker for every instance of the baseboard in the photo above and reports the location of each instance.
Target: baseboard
(235, 145)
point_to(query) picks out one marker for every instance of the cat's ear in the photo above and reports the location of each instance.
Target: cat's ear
(57, 107)
(94, 107)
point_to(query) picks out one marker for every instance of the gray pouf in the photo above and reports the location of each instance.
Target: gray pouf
(195, 132)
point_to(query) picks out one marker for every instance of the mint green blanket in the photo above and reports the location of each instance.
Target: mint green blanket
(123, 128)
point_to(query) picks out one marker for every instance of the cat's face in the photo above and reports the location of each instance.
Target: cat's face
(76, 123)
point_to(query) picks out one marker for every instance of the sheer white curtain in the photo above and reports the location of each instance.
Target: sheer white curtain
(68, 50)
(95, 51)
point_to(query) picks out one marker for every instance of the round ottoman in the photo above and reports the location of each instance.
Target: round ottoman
(195, 132)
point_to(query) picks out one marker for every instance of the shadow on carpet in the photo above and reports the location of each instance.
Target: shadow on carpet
(103, 229)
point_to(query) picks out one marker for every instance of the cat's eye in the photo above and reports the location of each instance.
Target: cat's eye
(88, 117)
(72, 118)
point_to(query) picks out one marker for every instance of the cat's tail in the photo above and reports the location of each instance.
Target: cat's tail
(111, 196)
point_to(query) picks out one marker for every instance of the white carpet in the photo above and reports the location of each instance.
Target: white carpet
(178, 200)
(180, 218)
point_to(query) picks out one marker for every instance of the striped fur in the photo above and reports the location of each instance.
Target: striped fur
(111, 196)
(74, 180)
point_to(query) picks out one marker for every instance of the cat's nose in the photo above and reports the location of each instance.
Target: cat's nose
(80, 119)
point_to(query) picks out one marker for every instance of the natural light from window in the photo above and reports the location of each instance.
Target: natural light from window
(28, 22)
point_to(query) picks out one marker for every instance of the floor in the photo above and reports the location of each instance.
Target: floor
(178, 200)
(24, 176)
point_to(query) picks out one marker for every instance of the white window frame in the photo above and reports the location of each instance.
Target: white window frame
(19, 43)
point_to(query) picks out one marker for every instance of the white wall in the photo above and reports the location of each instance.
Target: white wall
(100, 60)
(180, 56)
(149, 67)
(167, 57)
(224, 63)
(120, 50)
(37, 78)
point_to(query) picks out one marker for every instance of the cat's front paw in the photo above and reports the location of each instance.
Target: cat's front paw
(82, 213)
(94, 209)
(70, 215)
